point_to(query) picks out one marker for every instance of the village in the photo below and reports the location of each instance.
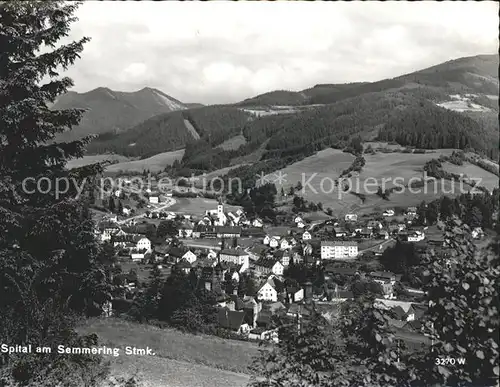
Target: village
(258, 270)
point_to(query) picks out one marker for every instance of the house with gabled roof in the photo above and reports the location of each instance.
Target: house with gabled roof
(236, 256)
(283, 256)
(306, 236)
(233, 320)
(374, 225)
(351, 218)
(107, 230)
(270, 289)
(186, 230)
(266, 266)
(274, 242)
(183, 266)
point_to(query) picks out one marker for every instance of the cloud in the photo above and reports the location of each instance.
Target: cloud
(219, 52)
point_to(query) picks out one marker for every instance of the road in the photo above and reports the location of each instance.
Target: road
(170, 202)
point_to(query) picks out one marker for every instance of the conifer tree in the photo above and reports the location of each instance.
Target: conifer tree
(50, 269)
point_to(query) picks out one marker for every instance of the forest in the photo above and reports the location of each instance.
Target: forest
(431, 127)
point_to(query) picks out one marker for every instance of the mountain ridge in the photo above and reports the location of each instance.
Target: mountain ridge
(107, 110)
(451, 95)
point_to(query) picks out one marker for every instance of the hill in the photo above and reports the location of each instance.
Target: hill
(172, 131)
(451, 105)
(473, 75)
(181, 360)
(114, 111)
(278, 97)
(477, 75)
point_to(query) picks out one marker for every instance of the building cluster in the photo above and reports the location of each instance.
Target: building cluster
(265, 260)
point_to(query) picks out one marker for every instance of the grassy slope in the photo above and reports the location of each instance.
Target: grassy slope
(233, 143)
(489, 180)
(92, 159)
(330, 162)
(156, 163)
(197, 206)
(182, 360)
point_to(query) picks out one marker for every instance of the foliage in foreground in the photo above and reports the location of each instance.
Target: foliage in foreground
(359, 347)
(52, 269)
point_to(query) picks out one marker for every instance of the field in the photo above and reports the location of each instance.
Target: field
(382, 144)
(156, 163)
(181, 360)
(328, 164)
(213, 174)
(391, 165)
(233, 143)
(252, 157)
(197, 206)
(92, 159)
(489, 180)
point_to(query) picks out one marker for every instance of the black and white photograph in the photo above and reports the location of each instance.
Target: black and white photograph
(249, 193)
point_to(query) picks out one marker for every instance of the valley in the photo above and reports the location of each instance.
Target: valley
(306, 133)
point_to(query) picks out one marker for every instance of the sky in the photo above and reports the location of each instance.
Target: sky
(222, 52)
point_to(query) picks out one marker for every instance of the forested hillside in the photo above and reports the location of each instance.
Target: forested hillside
(166, 132)
(428, 126)
(478, 74)
(403, 109)
(278, 97)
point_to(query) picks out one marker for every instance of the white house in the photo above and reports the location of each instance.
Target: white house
(266, 240)
(295, 294)
(477, 233)
(267, 292)
(118, 193)
(298, 219)
(189, 256)
(283, 257)
(306, 236)
(416, 236)
(238, 257)
(388, 213)
(411, 211)
(257, 223)
(186, 230)
(284, 244)
(383, 277)
(351, 218)
(301, 224)
(274, 242)
(154, 199)
(107, 231)
(143, 244)
(126, 211)
(137, 256)
(266, 266)
(339, 249)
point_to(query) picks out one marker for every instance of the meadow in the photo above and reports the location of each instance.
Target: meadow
(233, 143)
(92, 159)
(489, 180)
(156, 163)
(330, 163)
(181, 359)
(197, 206)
